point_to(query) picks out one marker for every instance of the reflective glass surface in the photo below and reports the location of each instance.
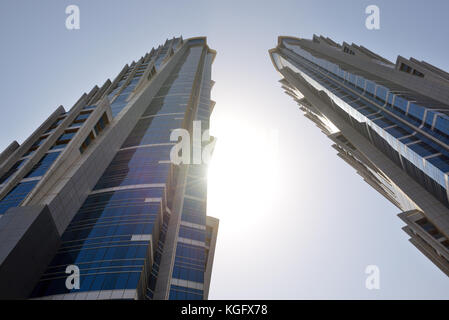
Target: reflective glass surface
(43, 165)
(16, 195)
(392, 122)
(110, 237)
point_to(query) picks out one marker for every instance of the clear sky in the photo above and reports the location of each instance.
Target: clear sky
(295, 221)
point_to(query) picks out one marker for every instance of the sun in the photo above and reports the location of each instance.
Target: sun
(243, 172)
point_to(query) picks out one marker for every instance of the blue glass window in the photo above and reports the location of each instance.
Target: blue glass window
(5, 178)
(82, 117)
(66, 136)
(16, 195)
(38, 142)
(43, 165)
(60, 146)
(56, 123)
(441, 162)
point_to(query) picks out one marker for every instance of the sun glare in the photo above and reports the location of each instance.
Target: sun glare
(242, 176)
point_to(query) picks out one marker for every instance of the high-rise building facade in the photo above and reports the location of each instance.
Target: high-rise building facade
(94, 190)
(388, 121)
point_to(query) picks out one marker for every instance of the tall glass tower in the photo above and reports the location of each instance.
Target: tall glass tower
(93, 190)
(388, 121)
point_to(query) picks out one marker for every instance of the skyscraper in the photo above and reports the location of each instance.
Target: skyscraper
(388, 121)
(93, 189)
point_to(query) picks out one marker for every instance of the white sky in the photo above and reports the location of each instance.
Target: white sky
(295, 220)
